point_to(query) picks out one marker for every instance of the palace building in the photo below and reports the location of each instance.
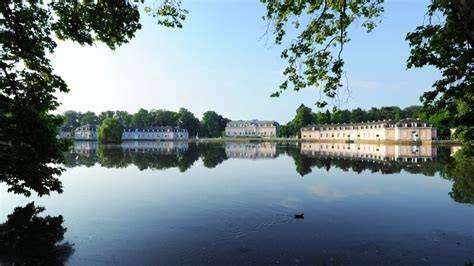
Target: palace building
(155, 133)
(403, 130)
(252, 128)
(86, 132)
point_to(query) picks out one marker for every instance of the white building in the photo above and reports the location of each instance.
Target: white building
(86, 132)
(155, 133)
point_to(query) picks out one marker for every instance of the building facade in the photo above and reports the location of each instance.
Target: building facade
(253, 128)
(157, 147)
(371, 152)
(402, 130)
(86, 132)
(251, 150)
(155, 133)
(64, 133)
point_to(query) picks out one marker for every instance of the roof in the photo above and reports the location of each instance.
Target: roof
(368, 123)
(252, 122)
(64, 128)
(154, 128)
(87, 127)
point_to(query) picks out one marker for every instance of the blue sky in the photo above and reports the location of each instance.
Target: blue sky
(219, 62)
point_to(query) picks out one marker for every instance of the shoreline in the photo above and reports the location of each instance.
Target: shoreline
(294, 140)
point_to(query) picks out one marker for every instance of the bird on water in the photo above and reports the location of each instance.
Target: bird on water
(299, 216)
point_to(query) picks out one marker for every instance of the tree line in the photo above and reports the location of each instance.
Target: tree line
(211, 124)
(305, 116)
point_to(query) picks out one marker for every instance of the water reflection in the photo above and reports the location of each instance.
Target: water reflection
(251, 210)
(371, 152)
(27, 239)
(251, 150)
(452, 163)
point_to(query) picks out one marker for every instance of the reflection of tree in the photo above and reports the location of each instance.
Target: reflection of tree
(303, 163)
(459, 168)
(111, 156)
(461, 171)
(114, 156)
(27, 239)
(74, 159)
(212, 154)
(188, 158)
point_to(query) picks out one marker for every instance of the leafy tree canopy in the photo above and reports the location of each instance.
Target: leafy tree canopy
(187, 120)
(212, 124)
(445, 41)
(29, 152)
(110, 131)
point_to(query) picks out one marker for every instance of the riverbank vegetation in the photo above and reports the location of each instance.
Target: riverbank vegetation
(211, 125)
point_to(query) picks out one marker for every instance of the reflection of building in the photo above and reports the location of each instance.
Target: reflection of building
(253, 128)
(403, 130)
(86, 132)
(154, 133)
(85, 147)
(372, 152)
(250, 150)
(64, 133)
(162, 147)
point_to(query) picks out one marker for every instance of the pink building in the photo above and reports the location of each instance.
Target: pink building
(253, 128)
(403, 130)
(373, 152)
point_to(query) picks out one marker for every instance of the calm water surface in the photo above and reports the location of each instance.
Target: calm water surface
(148, 203)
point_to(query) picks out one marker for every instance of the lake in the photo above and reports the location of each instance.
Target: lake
(169, 203)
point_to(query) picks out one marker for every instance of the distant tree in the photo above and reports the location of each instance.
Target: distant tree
(110, 131)
(187, 120)
(72, 119)
(124, 117)
(388, 112)
(413, 111)
(341, 116)
(141, 118)
(303, 117)
(284, 131)
(358, 115)
(212, 124)
(107, 114)
(90, 118)
(326, 117)
(398, 114)
(163, 118)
